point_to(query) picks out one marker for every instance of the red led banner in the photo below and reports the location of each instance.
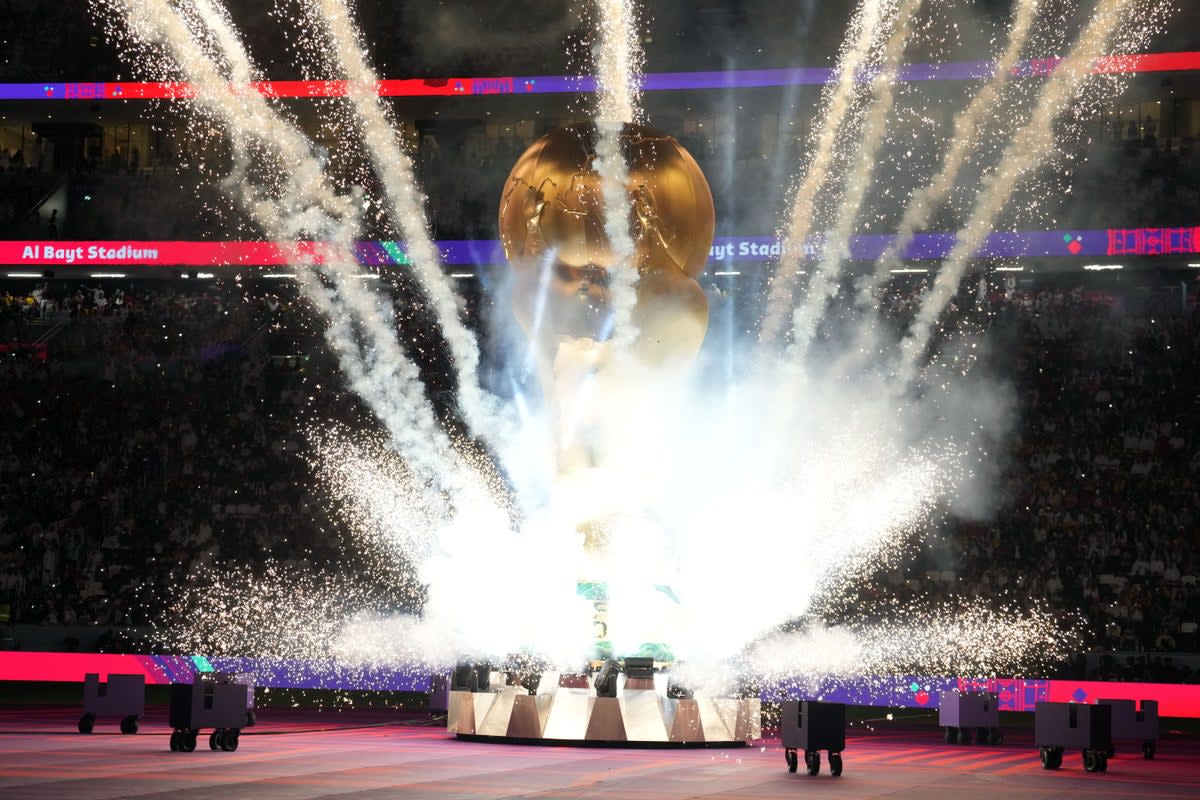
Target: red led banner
(1115, 242)
(556, 84)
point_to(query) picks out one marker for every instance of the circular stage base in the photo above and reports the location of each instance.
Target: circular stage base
(572, 715)
(470, 737)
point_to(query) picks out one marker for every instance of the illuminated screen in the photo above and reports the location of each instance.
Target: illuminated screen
(1112, 242)
(570, 84)
(1015, 694)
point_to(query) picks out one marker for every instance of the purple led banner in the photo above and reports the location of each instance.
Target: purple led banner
(571, 84)
(726, 251)
(323, 675)
(927, 246)
(1014, 694)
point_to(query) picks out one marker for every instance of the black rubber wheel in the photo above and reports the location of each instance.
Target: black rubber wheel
(812, 760)
(214, 740)
(983, 736)
(951, 735)
(87, 723)
(174, 741)
(1051, 758)
(964, 735)
(129, 725)
(835, 764)
(251, 719)
(792, 759)
(1149, 748)
(1101, 762)
(187, 741)
(1091, 760)
(229, 741)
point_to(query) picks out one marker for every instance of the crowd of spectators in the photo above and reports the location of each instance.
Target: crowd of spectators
(157, 437)
(1132, 173)
(1097, 511)
(1142, 668)
(163, 433)
(1134, 168)
(43, 39)
(1103, 497)
(157, 430)
(748, 165)
(158, 206)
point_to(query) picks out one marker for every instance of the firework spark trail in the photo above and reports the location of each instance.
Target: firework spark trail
(952, 638)
(823, 285)
(233, 611)
(339, 333)
(376, 488)
(546, 612)
(1029, 147)
(925, 202)
(376, 371)
(394, 166)
(380, 372)
(618, 80)
(838, 103)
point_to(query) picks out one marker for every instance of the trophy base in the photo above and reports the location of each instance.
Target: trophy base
(574, 715)
(469, 737)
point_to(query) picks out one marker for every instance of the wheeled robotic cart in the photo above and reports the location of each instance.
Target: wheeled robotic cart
(1130, 723)
(810, 727)
(244, 679)
(207, 704)
(122, 696)
(1059, 726)
(970, 715)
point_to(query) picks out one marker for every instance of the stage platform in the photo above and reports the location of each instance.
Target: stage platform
(298, 755)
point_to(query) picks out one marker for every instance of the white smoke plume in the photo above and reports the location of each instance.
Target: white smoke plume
(618, 79)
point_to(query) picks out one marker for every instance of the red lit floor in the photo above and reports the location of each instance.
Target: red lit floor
(283, 758)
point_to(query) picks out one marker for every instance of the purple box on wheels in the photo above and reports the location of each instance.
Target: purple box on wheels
(1130, 723)
(810, 727)
(207, 704)
(122, 696)
(967, 715)
(246, 679)
(1057, 726)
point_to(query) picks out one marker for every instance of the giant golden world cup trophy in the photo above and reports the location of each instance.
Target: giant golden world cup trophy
(552, 228)
(552, 225)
